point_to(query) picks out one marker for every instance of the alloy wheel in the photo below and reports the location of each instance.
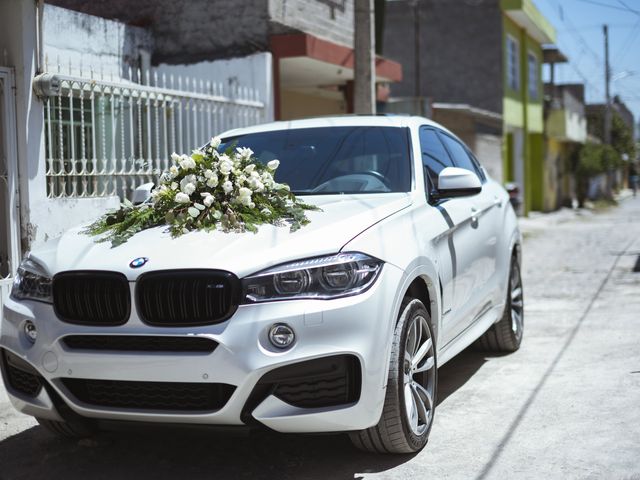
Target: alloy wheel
(419, 375)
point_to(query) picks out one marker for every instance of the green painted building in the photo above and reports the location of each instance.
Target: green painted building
(525, 30)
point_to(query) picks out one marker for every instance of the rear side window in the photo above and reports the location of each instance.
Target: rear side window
(460, 155)
(434, 156)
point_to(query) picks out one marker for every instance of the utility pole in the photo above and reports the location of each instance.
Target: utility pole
(607, 80)
(364, 46)
(607, 107)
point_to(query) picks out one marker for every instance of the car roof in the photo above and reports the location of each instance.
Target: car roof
(338, 121)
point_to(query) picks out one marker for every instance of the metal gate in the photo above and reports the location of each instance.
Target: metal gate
(9, 208)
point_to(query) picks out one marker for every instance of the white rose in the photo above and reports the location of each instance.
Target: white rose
(273, 164)
(182, 198)
(208, 200)
(267, 179)
(250, 168)
(225, 166)
(241, 180)
(244, 152)
(187, 162)
(174, 185)
(189, 188)
(175, 157)
(215, 142)
(227, 186)
(244, 196)
(173, 171)
(256, 184)
(188, 184)
(212, 182)
(208, 173)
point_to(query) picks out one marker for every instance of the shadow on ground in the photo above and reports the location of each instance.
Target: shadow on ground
(163, 453)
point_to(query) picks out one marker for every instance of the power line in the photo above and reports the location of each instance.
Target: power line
(625, 7)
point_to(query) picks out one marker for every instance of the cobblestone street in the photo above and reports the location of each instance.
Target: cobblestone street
(566, 405)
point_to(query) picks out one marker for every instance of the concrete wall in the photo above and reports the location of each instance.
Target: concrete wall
(189, 31)
(326, 19)
(254, 71)
(460, 51)
(198, 30)
(41, 218)
(79, 40)
(300, 105)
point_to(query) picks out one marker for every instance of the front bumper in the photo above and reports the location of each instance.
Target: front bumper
(360, 327)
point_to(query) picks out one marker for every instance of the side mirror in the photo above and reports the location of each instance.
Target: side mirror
(142, 193)
(457, 182)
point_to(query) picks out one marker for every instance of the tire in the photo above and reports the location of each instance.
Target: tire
(397, 430)
(66, 429)
(506, 334)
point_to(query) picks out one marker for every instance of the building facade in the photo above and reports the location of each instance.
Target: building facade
(477, 65)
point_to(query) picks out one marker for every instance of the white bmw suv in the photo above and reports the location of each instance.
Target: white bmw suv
(337, 327)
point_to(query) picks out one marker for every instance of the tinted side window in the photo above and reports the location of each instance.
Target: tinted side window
(460, 155)
(434, 156)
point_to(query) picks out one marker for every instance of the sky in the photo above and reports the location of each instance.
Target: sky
(578, 25)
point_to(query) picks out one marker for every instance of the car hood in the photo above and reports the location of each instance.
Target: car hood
(342, 218)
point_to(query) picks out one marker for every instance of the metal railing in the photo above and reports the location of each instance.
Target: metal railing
(105, 137)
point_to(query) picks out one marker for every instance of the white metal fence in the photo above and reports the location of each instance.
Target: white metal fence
(107, 136)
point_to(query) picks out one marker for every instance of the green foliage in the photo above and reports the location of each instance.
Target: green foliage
(594, 159)
(208, 190)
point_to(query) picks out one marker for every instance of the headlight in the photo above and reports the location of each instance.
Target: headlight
(334, 276)
(32, 283)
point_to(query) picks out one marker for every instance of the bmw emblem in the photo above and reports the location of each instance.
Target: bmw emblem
(138, 262)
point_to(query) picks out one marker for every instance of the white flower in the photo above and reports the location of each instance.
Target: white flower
(215, 142)
(241, 180)
(173, 171)
(281, 186)
(174, 185)
(250, 168)
(182, 198)
(256, 185)
(225, 166)
(265, 211)
(212, 182)
(208, 173)
(175, 157)
(187, 162)
(267, 179)
(244, 152)
(227, 186)
(208, 200)
(273, 164)
(244, 196)
(188, 184)
(194, 212)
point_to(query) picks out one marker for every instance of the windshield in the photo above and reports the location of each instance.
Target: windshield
(332, 160)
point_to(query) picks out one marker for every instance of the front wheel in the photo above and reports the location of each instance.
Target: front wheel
(409, 405)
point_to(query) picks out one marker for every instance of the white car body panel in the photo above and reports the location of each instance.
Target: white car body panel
(460, 249)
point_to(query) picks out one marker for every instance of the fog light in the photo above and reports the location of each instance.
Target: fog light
(281, 335)
(30, 331)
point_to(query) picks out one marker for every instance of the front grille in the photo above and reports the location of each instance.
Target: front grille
(91, 297)
(323, 382)
(20, 376)
(187, 297)
(150, 395)
(140, 343)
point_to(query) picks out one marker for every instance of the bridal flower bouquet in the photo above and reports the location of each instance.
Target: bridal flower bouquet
(208, 190)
